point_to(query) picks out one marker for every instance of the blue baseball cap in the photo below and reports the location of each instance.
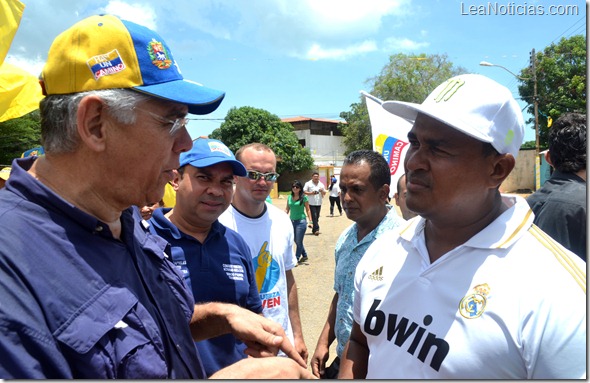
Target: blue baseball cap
(206, 152)
(105, 52)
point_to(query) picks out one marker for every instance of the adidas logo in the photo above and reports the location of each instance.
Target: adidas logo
(377, 275)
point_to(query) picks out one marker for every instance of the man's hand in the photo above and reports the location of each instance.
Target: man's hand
(318, 361)
(266, 368)
(263, 337)
(301, 349)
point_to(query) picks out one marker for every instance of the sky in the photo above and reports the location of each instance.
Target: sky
(312, 57)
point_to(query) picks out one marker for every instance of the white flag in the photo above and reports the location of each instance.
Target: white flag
(389, 134)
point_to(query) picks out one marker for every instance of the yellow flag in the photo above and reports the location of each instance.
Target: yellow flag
(11, 12)
(20, 92)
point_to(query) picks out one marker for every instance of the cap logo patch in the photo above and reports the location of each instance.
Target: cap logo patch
(159, 55)
(217, 147)
(509, 137)
(451, 86)
(473, 305)
(106, 64)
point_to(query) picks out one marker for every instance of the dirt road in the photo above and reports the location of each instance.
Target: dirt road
(315, 280)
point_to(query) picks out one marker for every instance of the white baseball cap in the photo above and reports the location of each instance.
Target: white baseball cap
(475, 105)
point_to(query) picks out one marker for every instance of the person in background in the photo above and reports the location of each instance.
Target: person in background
(334, 196)
(169, 199)
(103, 300)
(4, 174)
(148, 210)
(400, 198)
(269, 234)
(298, 208)
(364, 183)
(315, 190)
(470, 289)
(560, 204)
(214, 260)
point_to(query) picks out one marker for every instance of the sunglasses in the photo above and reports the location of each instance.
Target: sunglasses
(295, 187)
(254, 175)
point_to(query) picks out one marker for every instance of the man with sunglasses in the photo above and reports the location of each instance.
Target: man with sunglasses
(269, 234)
(86, 292)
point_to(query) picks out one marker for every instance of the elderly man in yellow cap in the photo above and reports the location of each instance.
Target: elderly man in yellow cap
(85, 290)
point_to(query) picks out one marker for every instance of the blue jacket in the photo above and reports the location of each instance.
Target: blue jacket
(77, 303)
(218, 270)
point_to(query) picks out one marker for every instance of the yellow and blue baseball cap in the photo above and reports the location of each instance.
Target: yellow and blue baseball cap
(105, 52)
(206, 152)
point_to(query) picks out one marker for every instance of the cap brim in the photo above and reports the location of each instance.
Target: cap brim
(198, 98)
(409, 111)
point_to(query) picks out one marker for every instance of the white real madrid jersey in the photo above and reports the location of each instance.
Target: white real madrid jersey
(510, 303)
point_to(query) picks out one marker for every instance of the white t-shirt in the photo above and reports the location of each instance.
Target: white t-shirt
(510, 303)
(335, 190)
(270, 238)
(314, 199)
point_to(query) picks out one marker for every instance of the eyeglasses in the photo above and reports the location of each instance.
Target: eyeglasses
(254, 175)
(295, 187)
(177, 123)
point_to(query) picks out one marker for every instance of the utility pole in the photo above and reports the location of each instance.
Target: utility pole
(536, 108)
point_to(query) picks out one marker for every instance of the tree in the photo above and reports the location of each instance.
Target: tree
(247, 124)
(408, 78)
(561, 82)
(19, 135)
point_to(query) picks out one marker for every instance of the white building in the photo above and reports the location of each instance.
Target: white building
(321, 137)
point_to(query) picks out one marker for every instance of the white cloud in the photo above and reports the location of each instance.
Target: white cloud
(316, 52)
(325, 28)
(394, 44)
(139, 13)
(307, 29)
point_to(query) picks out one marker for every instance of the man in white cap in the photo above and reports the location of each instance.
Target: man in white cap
(471, 289)
(85, 290)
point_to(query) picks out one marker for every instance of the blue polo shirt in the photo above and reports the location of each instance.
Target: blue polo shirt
(77, 303)
(218, 270)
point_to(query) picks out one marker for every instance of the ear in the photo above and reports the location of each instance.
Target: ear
(384, 193)
(548, 158)
(502, 166)
(176, 180)
(91, 123)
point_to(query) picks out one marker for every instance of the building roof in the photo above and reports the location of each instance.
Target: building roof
(301, 119)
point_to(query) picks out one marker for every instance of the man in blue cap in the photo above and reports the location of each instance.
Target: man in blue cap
(214, 260)
(86, 291)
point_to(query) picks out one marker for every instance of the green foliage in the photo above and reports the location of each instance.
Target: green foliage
(561, 82)
(528, 145)
(246, 125)
(405, 78)
(19, 135)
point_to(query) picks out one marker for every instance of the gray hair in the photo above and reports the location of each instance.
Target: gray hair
(59, 115)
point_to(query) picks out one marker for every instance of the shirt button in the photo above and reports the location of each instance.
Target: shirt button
(98, 228)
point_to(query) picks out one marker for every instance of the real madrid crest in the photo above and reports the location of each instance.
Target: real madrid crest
(473, 305)
(159, 55)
